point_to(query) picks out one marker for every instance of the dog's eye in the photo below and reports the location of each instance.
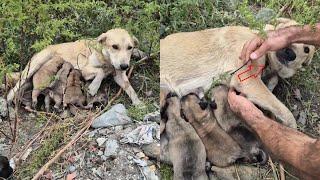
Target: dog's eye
(115, 46)
(306, 50)
(129, 47)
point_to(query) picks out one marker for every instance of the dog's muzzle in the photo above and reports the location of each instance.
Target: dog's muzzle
(286, 55)
(124, 67)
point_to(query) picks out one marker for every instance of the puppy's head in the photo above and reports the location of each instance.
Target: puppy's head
(118, 46)
(196, 109)
(287, 61)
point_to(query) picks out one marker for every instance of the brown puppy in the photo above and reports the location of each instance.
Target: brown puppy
(73, 94)
(221, 149)
(186, 151)
(44, 77)
(233, 125)
(58, 88)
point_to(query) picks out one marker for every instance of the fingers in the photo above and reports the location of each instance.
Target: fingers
(262, 50)
(250, 47)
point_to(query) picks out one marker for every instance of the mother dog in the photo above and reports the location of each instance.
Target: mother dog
(112, 49)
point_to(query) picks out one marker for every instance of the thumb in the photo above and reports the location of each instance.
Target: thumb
(262, 50)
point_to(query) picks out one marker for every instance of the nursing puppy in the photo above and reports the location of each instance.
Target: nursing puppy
(44, 77)
(186, 151)
(112, 49)
(221, 149)
(57, 89)
(73, 93)
(192, 59)
(233, 125)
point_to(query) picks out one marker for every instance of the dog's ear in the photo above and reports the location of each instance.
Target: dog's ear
(102, 37)
(135, 41)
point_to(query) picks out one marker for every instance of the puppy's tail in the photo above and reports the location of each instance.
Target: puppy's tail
(32, 67)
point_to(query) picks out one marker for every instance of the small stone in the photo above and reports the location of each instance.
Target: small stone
(118, 128)
(100, 153)
(72, 169)
(117, 115)
(112, 148)
(101, 141)
(3, 107)
(103, 157)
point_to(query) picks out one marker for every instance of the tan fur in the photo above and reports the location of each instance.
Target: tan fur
(44, 77)
(192, 59)
(186, 151)
(221, 149)
(94, 58)
(73, 93)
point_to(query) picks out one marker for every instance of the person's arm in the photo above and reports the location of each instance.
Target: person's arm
(279, 39)
(289, 145)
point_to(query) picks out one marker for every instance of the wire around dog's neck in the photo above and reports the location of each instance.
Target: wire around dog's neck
(240, 67)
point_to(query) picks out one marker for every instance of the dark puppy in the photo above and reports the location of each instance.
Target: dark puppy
(186, 151)
(5, 169)
(221, 149)
(233, 125)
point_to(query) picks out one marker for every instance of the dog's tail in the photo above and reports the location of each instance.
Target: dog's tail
(32, 67)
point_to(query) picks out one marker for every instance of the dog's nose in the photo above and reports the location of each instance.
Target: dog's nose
(124, 66)
(203, 104)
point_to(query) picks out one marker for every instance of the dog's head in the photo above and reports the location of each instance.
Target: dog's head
(118, 46)
(196, 109)
(287, 61)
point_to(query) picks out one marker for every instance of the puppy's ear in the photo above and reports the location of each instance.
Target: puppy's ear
(135, 41)
(102, 37)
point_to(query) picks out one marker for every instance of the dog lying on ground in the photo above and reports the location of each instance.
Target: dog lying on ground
(186, 151)
(112, 49)
(233, 125)
(192, 59)
(221, 149)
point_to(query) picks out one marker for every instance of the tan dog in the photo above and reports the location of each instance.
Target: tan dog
(186, 151)
(233, 125)
(221, 149)
(192, 59)
(73, 93)
(112, 49)
(44, 77)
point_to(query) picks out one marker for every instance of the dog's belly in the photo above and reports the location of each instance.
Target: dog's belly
(191, 60)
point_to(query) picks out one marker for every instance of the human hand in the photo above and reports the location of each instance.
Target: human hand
(242, 106)
(258, 46)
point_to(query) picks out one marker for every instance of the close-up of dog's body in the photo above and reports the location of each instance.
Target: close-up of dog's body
(191, 60)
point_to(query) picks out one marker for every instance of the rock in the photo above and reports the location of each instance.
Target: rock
(152, 150)
(149, 172)
(100, 153)
(144, 134)
(265, 15)
(112, 148)
(117, 115)
(302, 118)
(154, 117)
(3, 107)
(232, 172)
(101, 141)
(72, 169)
(140, 155)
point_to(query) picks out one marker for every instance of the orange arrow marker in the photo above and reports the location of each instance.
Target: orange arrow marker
(254, 75)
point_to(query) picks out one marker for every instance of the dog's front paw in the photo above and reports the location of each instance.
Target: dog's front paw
(93, 89)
